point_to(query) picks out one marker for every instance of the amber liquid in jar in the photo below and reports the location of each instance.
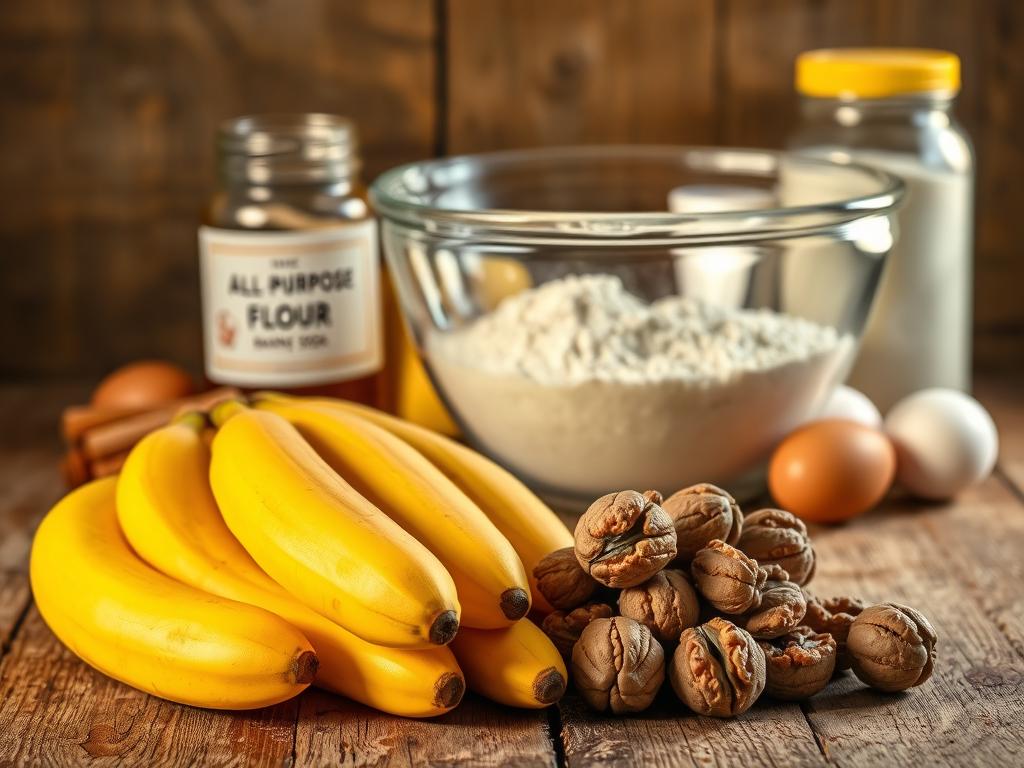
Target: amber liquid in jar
(289, 265)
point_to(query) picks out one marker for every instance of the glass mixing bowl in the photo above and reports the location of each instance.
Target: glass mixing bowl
(635, 347)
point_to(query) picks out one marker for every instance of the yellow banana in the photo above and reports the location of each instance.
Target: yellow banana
(532, 528)
(138, 626)
(518, 666)
(488, 575)
(170, 518)
(321, 540)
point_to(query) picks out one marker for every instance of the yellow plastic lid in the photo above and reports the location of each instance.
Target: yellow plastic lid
(875, 73)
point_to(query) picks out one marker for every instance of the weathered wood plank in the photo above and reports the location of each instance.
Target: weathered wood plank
(14, 599)
(30, 480)
(334, 731)
(55, 710)
(994, 124)
(1004, 399)
(527, 73)
(970, 711)
(982, 538)
(668, 735)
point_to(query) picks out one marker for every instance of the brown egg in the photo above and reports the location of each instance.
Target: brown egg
(143, 384)
(830, 471)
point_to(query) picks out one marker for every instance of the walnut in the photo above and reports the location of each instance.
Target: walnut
(718, 669)
(892, 647)
(781, 608)
(666, 604)
(701, 513)
(776, 536)
(834, 616)
(799, 664)
(618, 665)
(561, 580)
(564, 628)
(727, 578)
(625, 538)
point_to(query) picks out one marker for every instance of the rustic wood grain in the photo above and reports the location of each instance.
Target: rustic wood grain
(669, 735)
(14, 599)
(969, 713)
(334, 731)
(110, 112)
(108, 129)
(1002, 397)
(959, 563)
(55, 710)
(995, 128)
(982, 537)
(534, 72)
(30, 480)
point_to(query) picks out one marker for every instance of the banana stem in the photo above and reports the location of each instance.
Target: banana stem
(195, 420)
(269, 396)
(224, 410)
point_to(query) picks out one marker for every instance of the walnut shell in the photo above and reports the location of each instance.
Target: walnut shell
(625, 538)
(564, 628)
(666, 604)
(776, 536)
(727, 578)
(781, 608)
(701, 513)
(617, 665)
(892, 647)
(718, 669)
(834, 616)
(799, 664)
(561, 580)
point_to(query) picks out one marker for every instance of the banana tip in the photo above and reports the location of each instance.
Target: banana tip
(515, 603)
(444, 627)
(448, 690)
(304, 667)
(549, 686)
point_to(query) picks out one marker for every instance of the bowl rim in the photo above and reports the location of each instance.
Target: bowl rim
(390, 198)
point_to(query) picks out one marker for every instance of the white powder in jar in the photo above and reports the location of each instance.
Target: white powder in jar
(582, 388)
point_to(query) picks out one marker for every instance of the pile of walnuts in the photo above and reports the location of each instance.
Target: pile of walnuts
(725, 596)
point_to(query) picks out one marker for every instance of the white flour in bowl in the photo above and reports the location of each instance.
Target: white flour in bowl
(582, 388)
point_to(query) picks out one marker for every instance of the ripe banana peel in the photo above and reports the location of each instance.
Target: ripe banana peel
(532, 528)
(138, 626)
(518, 666)
(169, 515)
(488, 574)
(317, 537)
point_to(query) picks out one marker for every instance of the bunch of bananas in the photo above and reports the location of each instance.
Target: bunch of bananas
(301, 541)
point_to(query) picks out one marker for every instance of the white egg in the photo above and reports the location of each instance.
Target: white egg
(847, 403)
(945, 441)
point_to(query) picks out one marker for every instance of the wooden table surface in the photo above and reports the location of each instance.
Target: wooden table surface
(962, 564)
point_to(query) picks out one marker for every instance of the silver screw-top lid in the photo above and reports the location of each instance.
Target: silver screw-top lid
(288, 148)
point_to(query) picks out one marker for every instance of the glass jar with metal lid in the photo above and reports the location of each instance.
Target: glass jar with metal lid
(893, 108)
(289, 265)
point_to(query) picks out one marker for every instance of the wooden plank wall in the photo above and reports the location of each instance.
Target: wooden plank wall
(109, 108)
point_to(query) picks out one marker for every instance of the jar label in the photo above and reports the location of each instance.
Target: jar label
(291, 309)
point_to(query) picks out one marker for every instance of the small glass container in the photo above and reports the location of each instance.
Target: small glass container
(289, 264)
(893, 109)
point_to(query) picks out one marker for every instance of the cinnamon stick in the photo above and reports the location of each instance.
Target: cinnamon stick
(79, 419)
(109, 465)
(74, 469)
(120, 435)
(117, 436)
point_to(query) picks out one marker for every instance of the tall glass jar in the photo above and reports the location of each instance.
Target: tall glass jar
(893, 108)
(289, 265)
